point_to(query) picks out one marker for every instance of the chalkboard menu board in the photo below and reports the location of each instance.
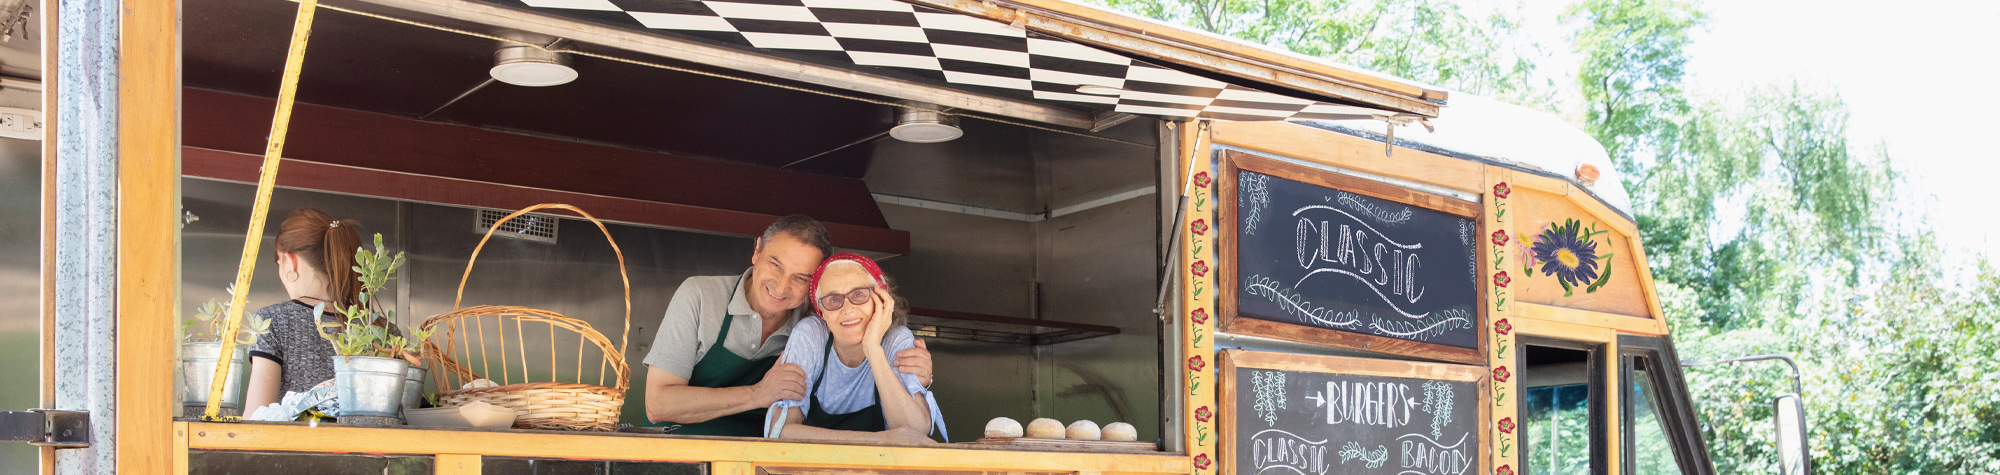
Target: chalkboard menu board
(1336, 254)
(1286, 414)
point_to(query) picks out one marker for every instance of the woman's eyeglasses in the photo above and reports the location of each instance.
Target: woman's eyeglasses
(833, 302)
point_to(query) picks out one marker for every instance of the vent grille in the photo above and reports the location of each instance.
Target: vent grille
(531, 227)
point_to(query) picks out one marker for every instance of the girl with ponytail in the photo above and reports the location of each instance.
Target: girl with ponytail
(315, 259)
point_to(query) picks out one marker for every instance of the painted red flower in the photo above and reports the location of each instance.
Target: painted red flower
(1203, 414)
(1200, 315)
(1201, 179)
(1199, 226)
(1504, 470)
(1200, 268)
(1500, 238)
(1195, 363)
(1501, 374)
(1500, 279)
(1502, 327)
(1500, 190)
(1507, 425)
(1201, 462)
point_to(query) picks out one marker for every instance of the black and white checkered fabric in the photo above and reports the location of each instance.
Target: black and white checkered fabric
(957, 49)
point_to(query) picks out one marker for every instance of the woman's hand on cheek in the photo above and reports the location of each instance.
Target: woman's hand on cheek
(878, 322)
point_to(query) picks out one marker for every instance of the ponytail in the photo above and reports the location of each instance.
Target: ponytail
(328, 245)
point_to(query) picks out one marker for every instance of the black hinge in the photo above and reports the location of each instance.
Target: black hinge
(46, 427)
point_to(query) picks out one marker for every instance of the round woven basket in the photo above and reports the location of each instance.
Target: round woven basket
(539, 405)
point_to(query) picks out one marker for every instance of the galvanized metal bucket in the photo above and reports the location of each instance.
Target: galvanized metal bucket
(413, 388)
(198, 372)
(370, 386)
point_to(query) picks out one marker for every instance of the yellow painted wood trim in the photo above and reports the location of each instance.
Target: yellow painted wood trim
(458, 464)
(1499, 449)
(732, 468)
(334, 438)
(47, 455)
(180, 449)
(1565, 331)
(1614, 428)
(148, 241)
(1350, 152)
(1646, 283)
(1626, 323)
(1565, 188)
(1203, 438)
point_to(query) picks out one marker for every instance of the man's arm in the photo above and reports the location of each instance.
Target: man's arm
(916, 362)
(669, 398)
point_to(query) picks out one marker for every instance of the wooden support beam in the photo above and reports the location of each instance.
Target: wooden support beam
(148, 240)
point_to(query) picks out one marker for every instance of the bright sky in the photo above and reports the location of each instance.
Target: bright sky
(1918, 76)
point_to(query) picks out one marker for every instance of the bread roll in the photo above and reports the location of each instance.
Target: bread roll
(1003, 427)
(1046, 428)
(1084, 430)
(1120, 431)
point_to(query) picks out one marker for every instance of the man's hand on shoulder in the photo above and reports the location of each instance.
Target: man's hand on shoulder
(916, 362)
(783, 381)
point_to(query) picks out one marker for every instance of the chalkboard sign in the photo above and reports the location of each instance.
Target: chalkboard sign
(1362, 264)
(1287, 414)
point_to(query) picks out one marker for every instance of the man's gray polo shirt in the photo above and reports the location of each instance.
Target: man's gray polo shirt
(687, 332)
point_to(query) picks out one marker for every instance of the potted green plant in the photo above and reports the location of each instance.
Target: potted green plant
(371, 363)
(201, 347)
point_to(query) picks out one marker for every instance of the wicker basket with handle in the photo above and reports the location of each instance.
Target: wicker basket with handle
(540, 405)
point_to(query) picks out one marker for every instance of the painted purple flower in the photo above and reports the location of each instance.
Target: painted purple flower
(1201, 462)
(1501, 374)
(1500, 238)
(1201, 180)
(1506, 425)
(1500, 190)
(1199, 226)
(1500, 279)
(1200, 315)
(1195, 363)
(1567, 254)
(1203, 414)
(1502, 327)
(1200, 268)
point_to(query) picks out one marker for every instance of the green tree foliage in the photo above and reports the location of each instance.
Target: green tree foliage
(1767, 230)
(1434, 42)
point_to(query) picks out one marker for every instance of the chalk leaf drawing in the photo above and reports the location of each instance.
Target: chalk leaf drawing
(1295, 304)
(1270, 389)
(1441, 321)
(1368, 209)
(1354, 450)
(1256, 194)
(1437, 402)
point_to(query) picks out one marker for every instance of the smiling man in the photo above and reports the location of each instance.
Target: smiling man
(713, 366)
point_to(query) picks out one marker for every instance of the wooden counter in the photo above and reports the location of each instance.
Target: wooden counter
(459, 449)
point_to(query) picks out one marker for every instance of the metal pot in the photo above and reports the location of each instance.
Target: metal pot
(413, 388)
(370, 386)
(198, 372)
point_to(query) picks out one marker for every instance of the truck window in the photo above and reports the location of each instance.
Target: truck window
(1652, 452)
(1562, 408)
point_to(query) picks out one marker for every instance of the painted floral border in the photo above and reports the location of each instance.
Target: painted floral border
(1499, 360)
(1200, 330)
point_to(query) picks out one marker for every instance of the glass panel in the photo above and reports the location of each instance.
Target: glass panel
(20, 289)
(1653, 452)
(528, 466)
(202, 462)
(1556, 430)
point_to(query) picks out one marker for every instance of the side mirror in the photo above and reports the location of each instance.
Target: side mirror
(1790, 414)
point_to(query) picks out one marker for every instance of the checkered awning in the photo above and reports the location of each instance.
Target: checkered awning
(957, 49)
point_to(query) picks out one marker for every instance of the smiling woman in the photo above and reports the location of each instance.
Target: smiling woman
(847, 349)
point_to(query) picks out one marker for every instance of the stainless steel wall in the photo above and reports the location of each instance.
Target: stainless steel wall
(20, 289)
(577, 276)
(1095, 267)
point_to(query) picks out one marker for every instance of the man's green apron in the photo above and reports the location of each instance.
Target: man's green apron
(721, 368)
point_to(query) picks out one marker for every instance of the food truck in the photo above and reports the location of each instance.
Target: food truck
(1263, 263)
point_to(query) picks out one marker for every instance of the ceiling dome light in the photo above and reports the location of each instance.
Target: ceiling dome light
(524, 65)
(924, 124)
